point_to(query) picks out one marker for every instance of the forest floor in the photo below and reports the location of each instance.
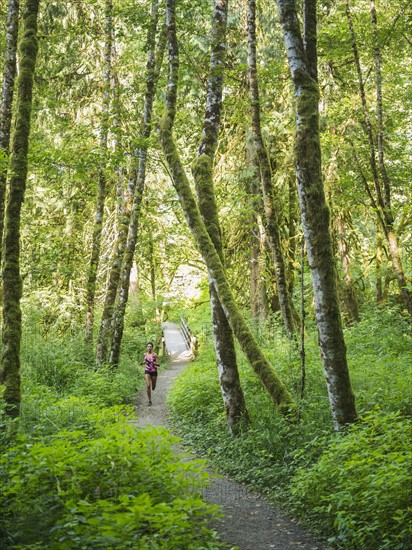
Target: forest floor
(249, 521)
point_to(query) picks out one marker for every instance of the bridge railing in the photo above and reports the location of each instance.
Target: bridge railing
(189, 338)
(186, 332)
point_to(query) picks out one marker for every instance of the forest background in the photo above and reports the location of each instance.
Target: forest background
(102, 228)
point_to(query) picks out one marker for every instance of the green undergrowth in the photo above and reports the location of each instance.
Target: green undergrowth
(351, 488)
(100, 483)
(75, 470)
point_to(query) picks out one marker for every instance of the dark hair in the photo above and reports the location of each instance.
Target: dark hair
(151, 343)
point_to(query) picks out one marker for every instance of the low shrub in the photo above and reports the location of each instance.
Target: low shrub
(380, 359)
(358, 492)
(135, 522)
(102, 486)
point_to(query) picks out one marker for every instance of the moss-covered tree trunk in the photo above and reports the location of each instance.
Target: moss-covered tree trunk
(314, 211)
(275, 387)
(232, 394)
(7, 92)
(12, 282)
(137, 179)
(272, 218)
(101, 192)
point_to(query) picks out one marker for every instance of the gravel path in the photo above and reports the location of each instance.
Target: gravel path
(249, 521)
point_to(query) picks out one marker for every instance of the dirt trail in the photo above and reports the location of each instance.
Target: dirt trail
(249, 521)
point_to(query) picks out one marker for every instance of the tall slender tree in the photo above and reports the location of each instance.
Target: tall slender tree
(258, 286)
(274, 386)
(380, 194)
(272, 218)
(12, 282)
(7, 93)
(101, 193)
(302, 60)
(137, 178)
(233, 398)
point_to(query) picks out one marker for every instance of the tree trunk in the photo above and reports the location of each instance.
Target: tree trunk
(137, 181)
(233, 399)
(292, 245)
(106, 323)
(101, 194)
(315, 217)
(258, 287)
(275, 387)
(9, 76)
(258, 290)
(378, 263)
(382, 200)
(349, 296)
(272, 221)
(10, 365)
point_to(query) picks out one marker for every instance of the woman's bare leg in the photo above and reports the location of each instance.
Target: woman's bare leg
(149, 387)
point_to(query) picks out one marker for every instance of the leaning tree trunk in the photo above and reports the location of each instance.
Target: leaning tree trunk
(272, 219)
(315, 214)
(12, 282)
(9, 76)
(137, 181)
(101, 193)
(232, 394)
(275, 387)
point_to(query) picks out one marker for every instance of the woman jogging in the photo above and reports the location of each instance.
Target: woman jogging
(151, 362)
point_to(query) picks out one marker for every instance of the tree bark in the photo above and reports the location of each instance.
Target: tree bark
(272, 219)
(275, 387)
(12, 282)
(233, 399)
(315, 219)
(9, 76)
(137, 180)
(101, 194)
